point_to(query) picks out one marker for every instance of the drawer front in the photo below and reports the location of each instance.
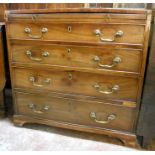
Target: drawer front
(81, 112)
(78, 32)
(98, 85)
(76, 56)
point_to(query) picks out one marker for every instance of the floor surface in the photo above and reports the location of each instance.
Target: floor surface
(45, 138)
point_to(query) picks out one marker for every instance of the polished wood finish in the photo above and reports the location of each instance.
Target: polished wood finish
(72, 73)
(75, 82)
(81, 10)
(75, 111)
(84, 16)
(79, 32)
(21, 6)
(78, 56)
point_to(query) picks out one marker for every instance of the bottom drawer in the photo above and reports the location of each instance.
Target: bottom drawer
(83, 112)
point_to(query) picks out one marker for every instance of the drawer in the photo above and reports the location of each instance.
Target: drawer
(82, 112)
(78, 56)
(98, 85)
(78, 32)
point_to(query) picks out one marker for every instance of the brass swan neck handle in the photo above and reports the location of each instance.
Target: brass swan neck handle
(116, 60)
(109, 91)
(98, 33)
(29, 32)
(30, 55)
(34, 83)
(109, 118)
(34, 108)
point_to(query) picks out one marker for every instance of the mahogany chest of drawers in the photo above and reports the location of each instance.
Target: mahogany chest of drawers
(80, 69)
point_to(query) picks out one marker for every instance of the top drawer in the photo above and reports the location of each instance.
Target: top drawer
(77, 32)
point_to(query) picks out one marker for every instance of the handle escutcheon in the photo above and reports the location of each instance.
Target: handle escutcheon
(46, 81)
(29, 32)
(30, 55)
(109, 118)
(34, 108)
(114, 63)
(98, 33)
(110, 90)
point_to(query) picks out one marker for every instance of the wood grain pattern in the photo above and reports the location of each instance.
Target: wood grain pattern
(90, 10)
(68, 17)
(2, 12)
(80, 32)
(75, 82)
(75, 112)
(78, 56)
(20, 6)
